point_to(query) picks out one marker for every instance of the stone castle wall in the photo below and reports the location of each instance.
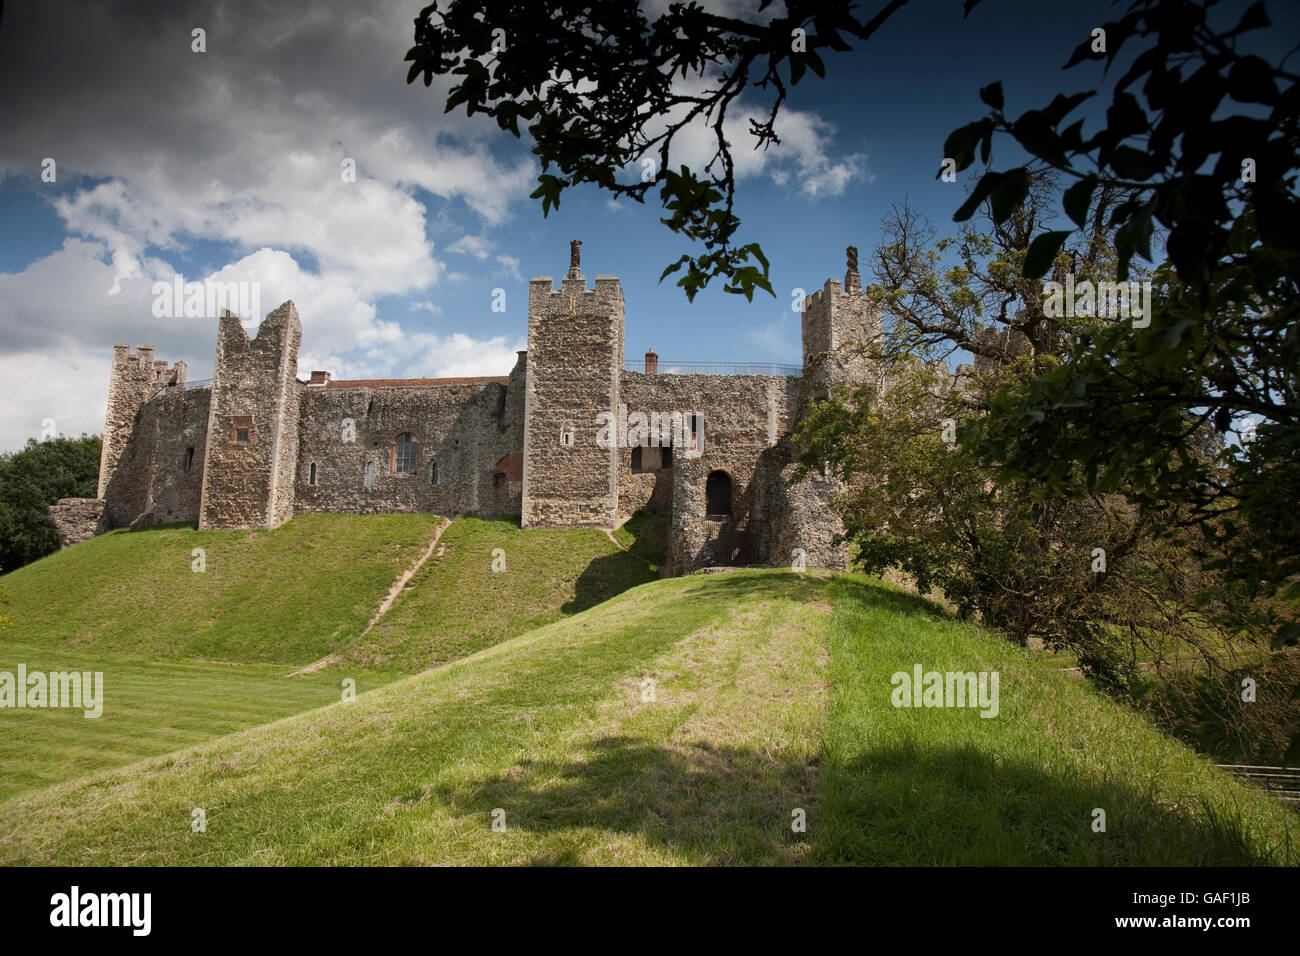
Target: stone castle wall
(158, 476)
(574, 364)
(260, 446)
(462, 431)
(134, 379)
(252, 449)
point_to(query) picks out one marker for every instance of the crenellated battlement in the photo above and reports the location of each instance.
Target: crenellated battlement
(259, 446)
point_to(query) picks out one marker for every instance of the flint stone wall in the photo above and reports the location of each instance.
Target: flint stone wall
(466, 430)
(574, 362)
(151, 476)
(76, 519)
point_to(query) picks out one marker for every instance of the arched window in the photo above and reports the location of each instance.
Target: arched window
(404, 453)
(717, 494)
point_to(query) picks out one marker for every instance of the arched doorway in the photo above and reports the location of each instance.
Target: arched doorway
(717, 495)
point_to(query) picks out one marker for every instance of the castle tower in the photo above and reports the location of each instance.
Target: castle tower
(252, 444)
(574, 364)
(134, 380)
(837, 323)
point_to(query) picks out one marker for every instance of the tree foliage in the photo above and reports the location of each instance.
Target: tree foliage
(33, 479)
(1196, 161)
(602, 91)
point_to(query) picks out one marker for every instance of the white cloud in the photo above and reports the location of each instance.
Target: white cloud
(510, 267)
(477, 246)
(242, 145)
(801, 159)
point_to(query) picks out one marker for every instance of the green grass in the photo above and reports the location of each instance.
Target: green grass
(189, 657)
(946, 786)
(150, 707)
(286, 596)
(772, 696)
(456, 604)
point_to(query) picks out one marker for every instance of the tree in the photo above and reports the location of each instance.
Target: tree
(1202, 158)
(604, 90)
(1147, 408)
(1081, 571)
(33, 479)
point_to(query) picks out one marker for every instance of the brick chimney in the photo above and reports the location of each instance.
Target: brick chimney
(651, 362)
(852, 280)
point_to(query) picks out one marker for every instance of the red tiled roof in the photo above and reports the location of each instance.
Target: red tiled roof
(416, 382)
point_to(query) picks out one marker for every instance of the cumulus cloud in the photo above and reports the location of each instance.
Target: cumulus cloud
(802, 160)
(249, 147)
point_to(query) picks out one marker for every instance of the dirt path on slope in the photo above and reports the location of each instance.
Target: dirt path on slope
(394, 590)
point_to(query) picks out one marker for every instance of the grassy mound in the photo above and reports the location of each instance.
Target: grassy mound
(285, 596)
(456, 604)
(188, 657)
(690, 720)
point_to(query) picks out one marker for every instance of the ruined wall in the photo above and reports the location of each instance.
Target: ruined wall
(252, 441)
(743, 416)
(797, 516)
(465, 431)
(156, 479)
(133, 380)
(574, 362)
(76, 519)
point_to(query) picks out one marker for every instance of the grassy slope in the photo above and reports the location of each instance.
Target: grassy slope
(456, 604)
(287, 596)
(766, 703)
(188, 657)
(152, 707)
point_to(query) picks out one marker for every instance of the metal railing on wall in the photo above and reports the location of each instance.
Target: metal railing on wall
(717, 368)
(1283, 782)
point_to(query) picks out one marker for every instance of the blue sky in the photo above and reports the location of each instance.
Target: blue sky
(226, 163)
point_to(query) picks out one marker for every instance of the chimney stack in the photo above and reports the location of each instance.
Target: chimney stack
(852, 281)
(651, 362)
(575, 259)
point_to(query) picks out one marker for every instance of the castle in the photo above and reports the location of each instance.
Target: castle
(256, 445)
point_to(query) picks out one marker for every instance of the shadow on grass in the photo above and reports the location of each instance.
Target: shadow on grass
(606, 577)
(707, 804)
(902, 806)
(963, 805)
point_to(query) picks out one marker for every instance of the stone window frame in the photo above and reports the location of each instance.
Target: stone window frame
(415, 452)
(241, 423)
